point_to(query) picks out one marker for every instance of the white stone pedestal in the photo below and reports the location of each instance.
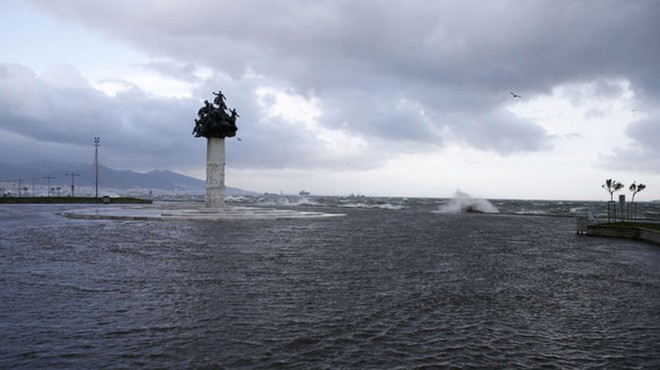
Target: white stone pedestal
(215, 173)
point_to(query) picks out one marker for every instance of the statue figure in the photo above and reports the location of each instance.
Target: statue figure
(213, 119)
(207, 108)
(220, 100)
(233, 116)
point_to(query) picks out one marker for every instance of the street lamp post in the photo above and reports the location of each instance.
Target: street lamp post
(97, 143)
(33, 180)
(73, 187)
(49, 177)
(19, 180)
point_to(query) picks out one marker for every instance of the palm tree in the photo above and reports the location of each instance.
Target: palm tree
(634, 188)
(612, 186)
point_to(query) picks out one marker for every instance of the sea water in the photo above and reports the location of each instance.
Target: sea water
(393, 284)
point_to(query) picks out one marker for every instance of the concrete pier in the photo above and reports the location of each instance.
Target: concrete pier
(215, 173)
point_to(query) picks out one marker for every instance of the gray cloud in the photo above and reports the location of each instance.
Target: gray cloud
(643, 155)
(132, 125)
(413, 74)
(647, 134)
(504, 133)
(184, 72)
(311, 43)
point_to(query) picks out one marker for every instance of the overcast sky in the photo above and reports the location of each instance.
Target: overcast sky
(401, 98)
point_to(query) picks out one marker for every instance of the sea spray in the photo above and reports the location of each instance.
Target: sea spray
(462, 202)
(284, 200)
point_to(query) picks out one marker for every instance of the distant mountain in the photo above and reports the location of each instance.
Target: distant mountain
(110, 180)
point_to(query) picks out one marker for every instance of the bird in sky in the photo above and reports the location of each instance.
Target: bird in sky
(516, 95)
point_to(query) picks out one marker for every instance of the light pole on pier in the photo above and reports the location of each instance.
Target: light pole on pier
(49, 177)
(97, 143)
(19, 186)
(33, 180)
(73, 187)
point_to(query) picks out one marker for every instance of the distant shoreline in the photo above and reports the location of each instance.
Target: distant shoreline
(73, 200)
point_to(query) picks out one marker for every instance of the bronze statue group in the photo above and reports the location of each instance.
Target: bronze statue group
(214, 120)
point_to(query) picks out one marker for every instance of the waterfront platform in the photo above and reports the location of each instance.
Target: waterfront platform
(647, 232)
(176, 213)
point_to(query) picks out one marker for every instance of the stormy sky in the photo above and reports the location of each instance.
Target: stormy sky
(402, 98)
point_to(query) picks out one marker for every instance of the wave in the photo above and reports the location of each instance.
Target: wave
(463, 203)
(377, 205)
(280, 200)
(460, 203)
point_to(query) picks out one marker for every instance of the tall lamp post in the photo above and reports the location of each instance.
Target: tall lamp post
(49, 177)
(19, 186)
(33, 180)
(73, 187)
(97, 143)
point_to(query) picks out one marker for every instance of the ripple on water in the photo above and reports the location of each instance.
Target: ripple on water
(376, 289)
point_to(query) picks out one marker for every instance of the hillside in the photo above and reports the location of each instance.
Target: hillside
(110, 180)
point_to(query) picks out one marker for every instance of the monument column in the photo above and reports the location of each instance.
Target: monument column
(215, 173)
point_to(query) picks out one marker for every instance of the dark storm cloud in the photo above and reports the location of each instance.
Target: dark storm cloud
(132, 124)
(380, 115)
(504, 133)
(485, 44)
(377, 65)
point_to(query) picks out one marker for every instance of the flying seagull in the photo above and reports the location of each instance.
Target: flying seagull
(516, 95)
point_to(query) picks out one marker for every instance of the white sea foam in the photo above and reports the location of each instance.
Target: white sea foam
(577, 209)
(377, 205)
(285, 200)
(462, 202)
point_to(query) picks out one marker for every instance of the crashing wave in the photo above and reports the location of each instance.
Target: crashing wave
(463, 203)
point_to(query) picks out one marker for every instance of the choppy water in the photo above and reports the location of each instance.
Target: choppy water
(391, 285)
(642, 210)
